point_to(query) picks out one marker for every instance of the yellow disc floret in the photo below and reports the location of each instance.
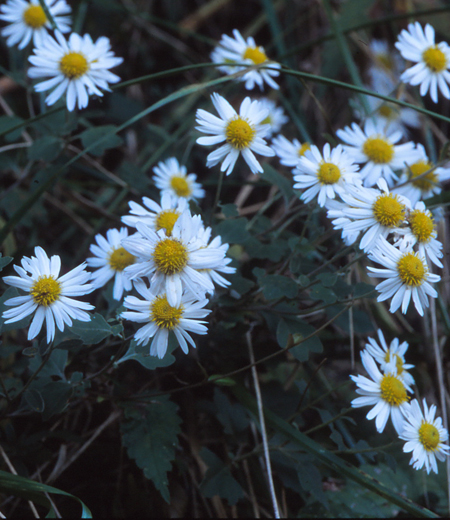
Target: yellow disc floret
(388, 210)
(435, 59)
(422, 225)
(166, 220)
(34, 17)
(170, 256)
(328, 173)
(426, 181)
(120, 258)
(398, 361)
(378, 150)
(180, 186)
(45, 291)
(239, 133)
(255, 54)
(303, 148)
(411, 270)
(163, 314)
(73, 65)
(387, 111)
(385, 60)
(429, 436)
(393, 391)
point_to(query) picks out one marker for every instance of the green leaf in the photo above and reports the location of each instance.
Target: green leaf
(273, 177)
(219, 480)
(107, 139)
(233, 231)
(150, 437)
(319, 292)
(7, 122)
(34, 400)
(229, 210)
(4, 261)
(55, 365)
(56, 395)
(94, 331)
(275, 286)
(45, 149)
(147, 361)
(275, 250)
(35, 491)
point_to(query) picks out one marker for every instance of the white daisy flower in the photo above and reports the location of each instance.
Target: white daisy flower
(394, 353)
(77, 66)
(172, 178)
(374, 212)
(388, 392)
(28, 20)
(49, 296)
(376, 149)
(421, 232)
(237, 50)
(424, 435)
(421, 179)
(242, 133)
(174, 262)
(110, 260)
(161, 317)
(385, 59)
(276, 118)
(289, 152)
(406, 274)
(432, 60)
(324, 175)
(157, 216)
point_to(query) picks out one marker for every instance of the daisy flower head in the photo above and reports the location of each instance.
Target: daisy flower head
(28, 20)
(243, 133)
(159, 317)
(172, 178)
(276, 118)
(377, 150)
(289, 152)
(375, 212)
(173, 262)
(421, 179)
(49, 296)
(406, 274)
(157, 216)
(324, 174)
(424, 435)
(110, 260)
(77, 67)
(238, 50)
(421, 233)
(432, 60)
(386, 355)
(387, 392)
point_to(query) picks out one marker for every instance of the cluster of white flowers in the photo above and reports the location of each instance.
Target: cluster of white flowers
(77, 66)
(386, 389)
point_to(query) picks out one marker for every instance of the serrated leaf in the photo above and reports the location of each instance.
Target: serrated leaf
(45, 149)
(233, 231)
(219, 480)
(108, 139)
(94, 331)
(150, 437)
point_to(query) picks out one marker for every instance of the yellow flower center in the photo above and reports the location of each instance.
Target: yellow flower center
(411, 270)
(120, 258)
(45, 290)
(34, 16)
(254, 54)
(422, 225)
(385, 60)
(429, 436)
(328, 173)
(398, 361)
(170, 256)
(425, 182)
(388, 111)
(239, 133)
(163, 314)
(267, 120)
(73, 65)
(180, 186)
(378, 150)
(303, 148)
(166, 220)
(393, 391)
(388, 210)
(434, 59)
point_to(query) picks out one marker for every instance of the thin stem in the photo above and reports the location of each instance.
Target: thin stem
(262, 425)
